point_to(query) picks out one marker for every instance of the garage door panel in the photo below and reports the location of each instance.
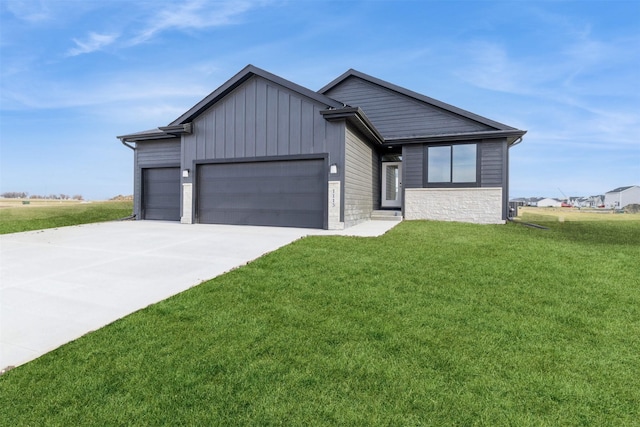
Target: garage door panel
(286, 193)
(252, 185)
(269, 201)
(161, 193)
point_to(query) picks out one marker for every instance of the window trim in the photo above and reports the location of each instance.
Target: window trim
(425, 168)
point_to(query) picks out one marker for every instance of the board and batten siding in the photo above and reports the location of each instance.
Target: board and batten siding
(260, 118)
(361, 179)
(399, 116)
(149, 154)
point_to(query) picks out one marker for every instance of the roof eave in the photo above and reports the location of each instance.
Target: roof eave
(356, 117)
(145, 136)
(512, 137)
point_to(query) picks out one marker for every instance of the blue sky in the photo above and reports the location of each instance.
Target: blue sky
(74, 74)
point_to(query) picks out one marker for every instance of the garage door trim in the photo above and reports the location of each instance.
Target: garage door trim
(323, 156)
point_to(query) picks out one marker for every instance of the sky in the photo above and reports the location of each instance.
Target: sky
(75, 74)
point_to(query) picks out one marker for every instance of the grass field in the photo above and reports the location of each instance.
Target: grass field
(431, 324)
(573, 214)
(39, 214)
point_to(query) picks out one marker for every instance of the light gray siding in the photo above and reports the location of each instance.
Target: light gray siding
(361, 179)
(261, 118)
(396, 115)
(148, 154)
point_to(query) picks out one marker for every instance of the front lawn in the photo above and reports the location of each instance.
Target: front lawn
(38, 214)
(431, 324)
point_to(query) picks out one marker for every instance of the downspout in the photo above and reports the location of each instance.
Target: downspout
(516, 142)
(133, 214)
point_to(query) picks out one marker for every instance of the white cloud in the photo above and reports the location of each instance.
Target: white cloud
(29, 10)
(194, 14)
(93, 43)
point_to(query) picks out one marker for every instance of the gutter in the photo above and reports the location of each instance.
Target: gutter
(124, 142)
(516, 142)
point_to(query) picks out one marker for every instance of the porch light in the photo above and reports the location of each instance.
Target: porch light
(333, 168)
(185, 173)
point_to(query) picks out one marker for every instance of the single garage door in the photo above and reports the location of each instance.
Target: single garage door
(287, 193)
(161, 194)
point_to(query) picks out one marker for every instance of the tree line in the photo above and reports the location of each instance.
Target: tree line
(23, 195)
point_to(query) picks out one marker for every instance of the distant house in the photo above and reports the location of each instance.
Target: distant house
(547, 202)
(620, 197)
(261, 150)
(595, 201)
(543, 202)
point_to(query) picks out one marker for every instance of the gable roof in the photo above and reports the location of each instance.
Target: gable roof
(621, 189)
(471, 124)
(242, 76)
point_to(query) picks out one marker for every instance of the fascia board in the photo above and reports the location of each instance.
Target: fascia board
(509, 134)
(357, 117)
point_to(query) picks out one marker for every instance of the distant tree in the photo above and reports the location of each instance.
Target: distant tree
(78, 197)
(14, 195)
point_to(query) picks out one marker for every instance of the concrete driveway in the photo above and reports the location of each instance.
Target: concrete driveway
(58, 284)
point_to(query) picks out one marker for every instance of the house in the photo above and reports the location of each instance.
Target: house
(620, 197)
(262, 150)
(596, 201)
(547, 202)
(543, 202)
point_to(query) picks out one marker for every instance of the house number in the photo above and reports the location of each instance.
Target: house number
(333, 197)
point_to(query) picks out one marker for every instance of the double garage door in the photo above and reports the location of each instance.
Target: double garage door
(286, 193)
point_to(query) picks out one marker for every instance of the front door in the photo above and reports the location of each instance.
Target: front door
(391, 185)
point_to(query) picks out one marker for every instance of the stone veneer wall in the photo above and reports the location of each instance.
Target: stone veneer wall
(475, 205)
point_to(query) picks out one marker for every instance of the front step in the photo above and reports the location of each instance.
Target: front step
(386, 215)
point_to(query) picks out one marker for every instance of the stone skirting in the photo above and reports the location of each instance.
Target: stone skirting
(475, 205)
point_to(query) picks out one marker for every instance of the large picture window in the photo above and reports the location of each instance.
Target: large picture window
(452, 164)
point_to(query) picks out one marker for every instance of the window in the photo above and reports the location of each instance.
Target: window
(452, 164)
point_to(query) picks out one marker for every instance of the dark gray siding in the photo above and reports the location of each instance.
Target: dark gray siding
(361, 179)
(492, 164)
(260, 118)
(161, 152)
(396, 115)
(494, 172)
(412, 165)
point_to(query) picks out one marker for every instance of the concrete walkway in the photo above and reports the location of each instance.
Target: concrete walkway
(59, 284)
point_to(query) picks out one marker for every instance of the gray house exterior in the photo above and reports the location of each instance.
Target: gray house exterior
(261, 150)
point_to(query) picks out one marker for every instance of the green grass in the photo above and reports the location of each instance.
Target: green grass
(432, 324)
(16, 218)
